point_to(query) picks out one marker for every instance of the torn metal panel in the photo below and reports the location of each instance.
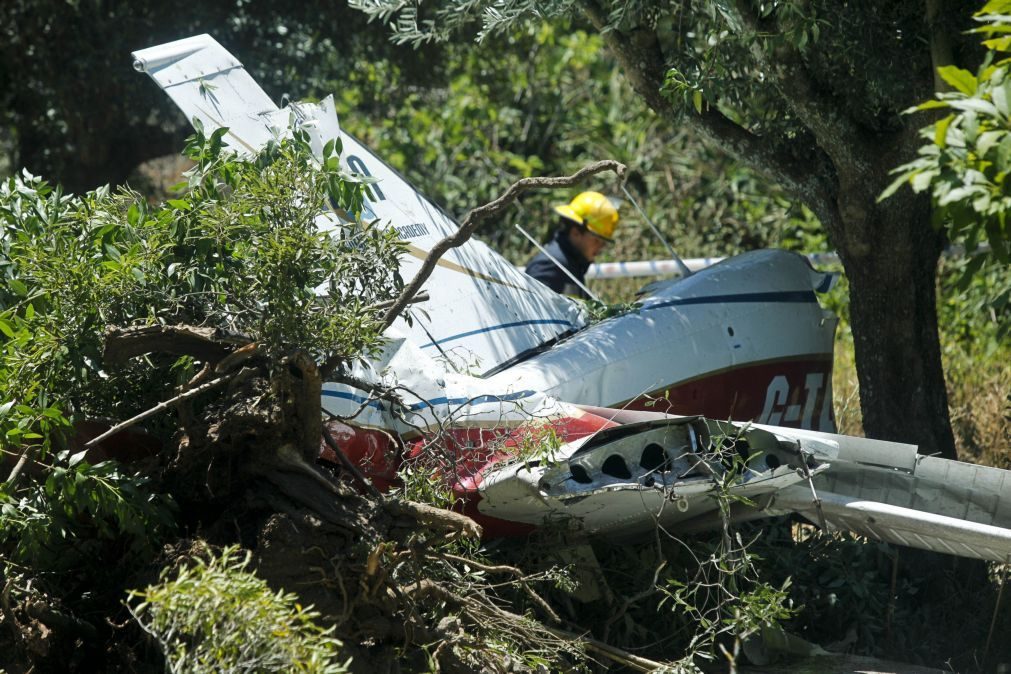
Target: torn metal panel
(629, 478)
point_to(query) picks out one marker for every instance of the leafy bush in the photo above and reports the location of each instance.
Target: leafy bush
(82, 514)
(966, 155)
(239, 250)
(217, 616)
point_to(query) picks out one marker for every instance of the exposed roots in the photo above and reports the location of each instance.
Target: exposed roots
(396, 579)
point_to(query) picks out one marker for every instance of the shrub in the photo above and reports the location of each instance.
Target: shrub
(215, 616)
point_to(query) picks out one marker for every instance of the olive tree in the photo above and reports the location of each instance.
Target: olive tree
(809, 94)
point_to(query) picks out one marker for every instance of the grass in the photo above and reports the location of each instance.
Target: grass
(979, 396)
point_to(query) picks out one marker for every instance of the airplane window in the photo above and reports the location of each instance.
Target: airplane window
(579, 474)
(653, 457)
(615, 466)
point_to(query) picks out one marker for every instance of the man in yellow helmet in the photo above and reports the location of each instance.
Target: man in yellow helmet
(587, 224)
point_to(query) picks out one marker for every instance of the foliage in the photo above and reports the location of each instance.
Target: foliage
(215, 615)
(548, 98)
(80, 515)
(710, 47)
(536, 443)
(239, 250)
(423, 480)
(975, 305)
(64, 127)
(839, 582)
(247, 239)
(725, 598)
(966, 157)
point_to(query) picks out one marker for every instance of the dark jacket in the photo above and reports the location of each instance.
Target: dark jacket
(548, 273)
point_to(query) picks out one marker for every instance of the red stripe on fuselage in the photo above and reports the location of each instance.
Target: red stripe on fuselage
(794, 392)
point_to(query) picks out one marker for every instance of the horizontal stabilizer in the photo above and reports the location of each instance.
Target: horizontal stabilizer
(901, 526)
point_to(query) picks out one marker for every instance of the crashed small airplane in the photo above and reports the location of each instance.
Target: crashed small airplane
(552, 418)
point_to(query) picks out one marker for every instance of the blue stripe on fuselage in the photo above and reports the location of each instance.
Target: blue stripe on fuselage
(799, 296)
(503, 326)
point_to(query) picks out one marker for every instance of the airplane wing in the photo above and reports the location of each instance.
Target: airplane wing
(908, 499)
(482, 311)
(648, 469)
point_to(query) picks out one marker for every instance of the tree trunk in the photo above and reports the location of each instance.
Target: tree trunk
(890, 253)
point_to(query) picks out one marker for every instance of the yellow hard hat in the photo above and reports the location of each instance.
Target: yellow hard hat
(591, 210)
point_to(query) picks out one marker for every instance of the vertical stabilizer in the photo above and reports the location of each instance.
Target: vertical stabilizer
(482, 311)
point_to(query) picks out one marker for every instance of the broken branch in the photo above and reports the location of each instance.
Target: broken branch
(474, 218)
(420, 297)
(468, 226)
(164, 405)
(435, 517)
(520, 576)
(204, 344)
(430, 588)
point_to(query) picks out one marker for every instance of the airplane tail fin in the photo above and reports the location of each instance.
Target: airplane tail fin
(482, 311)
(210, 85)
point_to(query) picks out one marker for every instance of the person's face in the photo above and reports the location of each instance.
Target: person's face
(586, 242)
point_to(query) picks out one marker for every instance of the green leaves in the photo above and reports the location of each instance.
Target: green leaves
(966, 156)
(961, 80)
(241, 250)
(76, 512)
(216, 615)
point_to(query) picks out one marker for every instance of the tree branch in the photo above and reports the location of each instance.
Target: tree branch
(478, 215)
(430, 588)
(436, 518)
(643, 62)
(20, 465)
(836, 133)
(420, 297)
(204, 344)
(164, 405)
(468, 226)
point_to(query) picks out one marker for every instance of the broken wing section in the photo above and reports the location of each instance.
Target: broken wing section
(654, 470)
(482, 311)
(907, 499)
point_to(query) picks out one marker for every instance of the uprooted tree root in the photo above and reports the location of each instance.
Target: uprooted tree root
(376, 567)
(393, 577)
